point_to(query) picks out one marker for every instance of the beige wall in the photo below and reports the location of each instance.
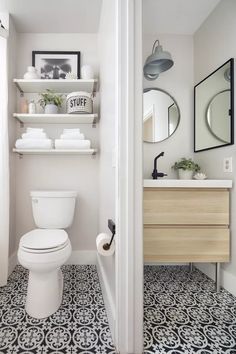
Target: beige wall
(214, 44)
(78, 173)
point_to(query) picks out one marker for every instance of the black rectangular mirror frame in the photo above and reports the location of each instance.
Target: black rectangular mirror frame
(231, 61)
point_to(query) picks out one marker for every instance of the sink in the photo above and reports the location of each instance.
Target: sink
(187, 183)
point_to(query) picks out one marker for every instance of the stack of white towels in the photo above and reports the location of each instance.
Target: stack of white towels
(72, 139)
(34, 138)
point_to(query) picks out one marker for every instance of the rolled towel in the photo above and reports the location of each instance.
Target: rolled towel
(33, 144)
(30, 130)
(71, 130)
(34, 135)
(69, 136)
(72, 144)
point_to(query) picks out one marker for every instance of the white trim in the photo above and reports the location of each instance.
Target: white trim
(107, 296)
(12, 262)
(82, 257)
(227, 280)
(166, 263)
(129, 241)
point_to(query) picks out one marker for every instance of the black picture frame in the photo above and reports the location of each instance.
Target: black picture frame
(231, 109)
(74, 56)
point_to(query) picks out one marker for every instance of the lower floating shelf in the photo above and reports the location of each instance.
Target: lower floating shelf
(55, 152)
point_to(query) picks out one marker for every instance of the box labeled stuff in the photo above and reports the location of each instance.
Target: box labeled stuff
(79, 102)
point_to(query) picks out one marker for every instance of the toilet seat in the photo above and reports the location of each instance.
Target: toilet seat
(44, 240)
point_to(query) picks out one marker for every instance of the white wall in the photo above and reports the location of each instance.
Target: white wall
(178, 81)
(78, 173)
(12, 44)
(214, 44)
(107, 56)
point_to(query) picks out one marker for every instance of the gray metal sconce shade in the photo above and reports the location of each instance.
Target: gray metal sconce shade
(158, 62)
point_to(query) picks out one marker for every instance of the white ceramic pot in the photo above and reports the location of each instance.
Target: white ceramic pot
(87, 72)
(185, 174)
(31, 73)
(51, 109)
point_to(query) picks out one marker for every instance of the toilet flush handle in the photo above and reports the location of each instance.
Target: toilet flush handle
(34, 200)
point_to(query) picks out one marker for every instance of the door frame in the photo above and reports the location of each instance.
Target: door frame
(129, 201)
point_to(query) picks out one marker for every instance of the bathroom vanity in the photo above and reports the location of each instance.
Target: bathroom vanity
(186, 221)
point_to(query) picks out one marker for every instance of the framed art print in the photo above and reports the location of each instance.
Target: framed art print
(55, 65)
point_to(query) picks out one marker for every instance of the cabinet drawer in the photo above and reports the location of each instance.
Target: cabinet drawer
(186, 206)
(182, 244)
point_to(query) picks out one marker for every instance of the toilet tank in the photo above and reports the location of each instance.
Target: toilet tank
(53, 209)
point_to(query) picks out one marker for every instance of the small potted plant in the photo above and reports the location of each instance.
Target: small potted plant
(186, 168)
(50, 101)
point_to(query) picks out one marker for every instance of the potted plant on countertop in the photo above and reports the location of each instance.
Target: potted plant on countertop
(186, 168)
(50, 101)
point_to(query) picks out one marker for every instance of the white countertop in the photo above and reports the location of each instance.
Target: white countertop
(187, 183)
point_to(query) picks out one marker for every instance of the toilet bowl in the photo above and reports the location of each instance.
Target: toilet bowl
(44, 250)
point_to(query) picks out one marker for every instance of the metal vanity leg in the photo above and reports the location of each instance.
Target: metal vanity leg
(217, 277)
(190, 267)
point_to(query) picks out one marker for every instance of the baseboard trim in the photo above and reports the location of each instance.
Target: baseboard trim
(108, 299)
(12, 262)
(165, 264)
(82, 257)
(228, 280)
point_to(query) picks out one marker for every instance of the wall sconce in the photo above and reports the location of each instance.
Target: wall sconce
(158, 62)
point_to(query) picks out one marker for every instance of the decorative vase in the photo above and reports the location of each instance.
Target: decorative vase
(51, 109)
(31, 73)
(87, 72)
(185, 174)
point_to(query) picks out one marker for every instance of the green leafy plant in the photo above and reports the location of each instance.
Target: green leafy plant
(49, 97)
(186, 165)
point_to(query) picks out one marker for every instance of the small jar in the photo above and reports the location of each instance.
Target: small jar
(31, 73)
(23, 105)
(32, 107)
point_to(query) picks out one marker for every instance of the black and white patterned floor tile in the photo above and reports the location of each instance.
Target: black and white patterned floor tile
(79, 326)
(184, 314)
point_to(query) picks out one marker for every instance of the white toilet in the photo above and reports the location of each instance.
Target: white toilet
(44, 250)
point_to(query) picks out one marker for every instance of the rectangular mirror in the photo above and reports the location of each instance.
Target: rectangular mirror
(214, 109)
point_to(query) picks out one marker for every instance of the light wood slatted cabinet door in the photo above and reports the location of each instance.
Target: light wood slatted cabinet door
(186, 225)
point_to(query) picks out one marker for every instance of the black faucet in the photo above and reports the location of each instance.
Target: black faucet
(156, 174)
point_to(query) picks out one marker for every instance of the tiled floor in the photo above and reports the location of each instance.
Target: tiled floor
(184, 314)
(79, 326)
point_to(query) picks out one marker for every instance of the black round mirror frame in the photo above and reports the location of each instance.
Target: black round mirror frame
(208, 116)
(177, 106)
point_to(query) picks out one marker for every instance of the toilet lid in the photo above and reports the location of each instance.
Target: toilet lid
(40, 239)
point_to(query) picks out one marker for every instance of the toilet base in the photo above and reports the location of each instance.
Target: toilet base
(44, 293)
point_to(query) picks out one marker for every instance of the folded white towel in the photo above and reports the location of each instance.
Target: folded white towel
(34, 135)
(72, 144)
(71, 130)
(33, 144)
(30, 130)
(69, 136)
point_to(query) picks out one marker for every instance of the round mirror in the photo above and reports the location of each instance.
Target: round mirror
(218, 116)
(161, 115)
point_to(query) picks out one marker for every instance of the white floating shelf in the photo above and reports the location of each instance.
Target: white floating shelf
(59, 86)
(56, 118)
(55, 152)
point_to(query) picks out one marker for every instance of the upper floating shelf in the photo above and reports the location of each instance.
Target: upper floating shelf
(57, 118)
(59, 86)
